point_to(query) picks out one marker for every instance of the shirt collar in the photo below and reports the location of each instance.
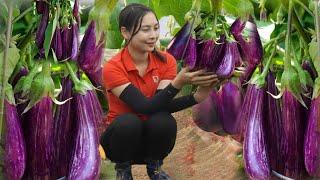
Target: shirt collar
(129, 64)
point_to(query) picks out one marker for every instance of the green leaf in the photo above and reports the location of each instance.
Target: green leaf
(24, 83)
(313, 51)
(114, 38)
(177, 8)
(101, 13)
(144, 2)
(49, 33)
(13, 58)
(236, 8)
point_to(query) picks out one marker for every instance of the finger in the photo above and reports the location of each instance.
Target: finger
(197, 73)
(208, 82)
(204, 78)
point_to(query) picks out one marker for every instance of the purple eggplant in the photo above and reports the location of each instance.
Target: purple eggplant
(217, 54)
(255, 149)
(191, 53)
(74, 42)
(85, 162)
(274, 126)
(230, 106)
(40, 34)
(227, 64)
(39, 139)
(88, 48)
(251, 50)
(244, 113)
(75, 12)
(292, 143)
(63, 131)
(204, 50)
(40, 6)
(205, 114)
(96, 78)
(179, 42)
(312, 140)
(15, 148)
(56, 43)
(66, 36)
(308, 66)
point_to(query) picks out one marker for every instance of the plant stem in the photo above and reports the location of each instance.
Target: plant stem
(304, 7)
(72, 74)
(22, 14)
(5, 59)
(266, 68)
(287, 62)
(300, 28)
(316, 12)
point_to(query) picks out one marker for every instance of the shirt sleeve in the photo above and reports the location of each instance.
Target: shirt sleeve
(113, 76)
(171, 68)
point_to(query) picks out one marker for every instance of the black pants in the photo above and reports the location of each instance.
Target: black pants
(130, 139)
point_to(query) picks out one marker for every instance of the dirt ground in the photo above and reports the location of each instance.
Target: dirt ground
(197, 155)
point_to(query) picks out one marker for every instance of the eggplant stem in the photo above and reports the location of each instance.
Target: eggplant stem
(266, 68)
(287, 43)
(5, 59)
(72, 74)
(316, 11)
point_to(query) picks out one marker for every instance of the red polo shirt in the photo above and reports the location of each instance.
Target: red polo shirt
(121, 69)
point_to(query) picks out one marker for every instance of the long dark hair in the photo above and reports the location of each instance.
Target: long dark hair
(131, 17)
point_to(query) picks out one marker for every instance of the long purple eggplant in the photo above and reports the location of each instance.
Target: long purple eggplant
(230, 106)
(85, 163)
(39, 139)
(42, 27)
(191, 53)
(40, 6)
(292, 143)
(255, 149)
(251, 50)
(204, 50)
(217, 54)
(274, 126)
(15, 148)
(312, 140)
(74, 42)
(227, 65)
(63, 131)
(56, 43)
(66, 36)
(179, 42)
(244, 113)
(88, 49)
(75, 12)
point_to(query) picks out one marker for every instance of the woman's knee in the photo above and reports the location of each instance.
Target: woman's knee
(127, 127)
(162, 122)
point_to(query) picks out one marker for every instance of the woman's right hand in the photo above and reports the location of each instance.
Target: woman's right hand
(199, 78)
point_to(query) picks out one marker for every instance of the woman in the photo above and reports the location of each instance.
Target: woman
(141, 83)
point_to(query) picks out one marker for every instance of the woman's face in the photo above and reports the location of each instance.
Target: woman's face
(147, 36)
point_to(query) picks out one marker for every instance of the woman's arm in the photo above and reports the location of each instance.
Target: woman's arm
(141, 104)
